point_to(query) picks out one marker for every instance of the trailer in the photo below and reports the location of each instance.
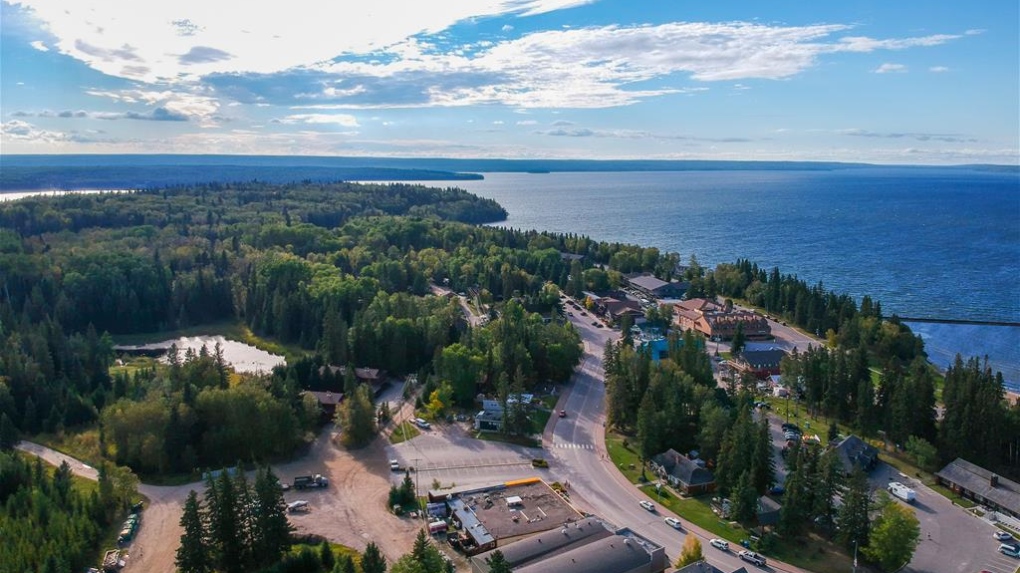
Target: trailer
(903, 492)
(308, 482)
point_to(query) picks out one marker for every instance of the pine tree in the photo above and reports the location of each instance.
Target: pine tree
(745, 499)
(272, 531)
(326, 556)
(854, 522)
(739, 341)
(8, 433)
(372, 560)
(224, 529)
(193, 553)
(498, 563)
(763, 466)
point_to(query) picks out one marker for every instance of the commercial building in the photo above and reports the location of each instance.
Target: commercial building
(981, 485)
(762, 364)
(717, 322)
(652, 287)
(585, 546)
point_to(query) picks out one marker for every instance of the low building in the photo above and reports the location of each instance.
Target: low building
(768, 511)
(683, 473)
(653, 287)
(855, 452)
(478, 538)
(585, 546)
(328, 401)
(981, 485)
(705, 567)
(762, 364)
(615, 309)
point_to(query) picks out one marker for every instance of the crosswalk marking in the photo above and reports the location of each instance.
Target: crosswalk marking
(573, 446)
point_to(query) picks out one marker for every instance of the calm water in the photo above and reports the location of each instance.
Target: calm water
(243, 357)
(926, 243)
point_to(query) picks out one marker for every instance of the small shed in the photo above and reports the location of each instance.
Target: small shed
(514, 501)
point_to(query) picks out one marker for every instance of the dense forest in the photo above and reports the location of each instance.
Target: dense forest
(50, 524)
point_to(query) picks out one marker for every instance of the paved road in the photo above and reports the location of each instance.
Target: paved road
(595, 485)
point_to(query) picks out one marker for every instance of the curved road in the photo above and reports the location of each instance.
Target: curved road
(597, 486)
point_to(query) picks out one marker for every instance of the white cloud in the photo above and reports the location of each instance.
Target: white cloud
(200, 108)
(188, 38)
(498, 122)
(975, 31)
(19, 131)
(340, 119)
(888, 68)
(39, 45)
(507, 28)
(527, 122)
(938, 69)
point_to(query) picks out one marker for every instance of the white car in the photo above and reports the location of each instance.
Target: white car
(395, 465)
(1003, 536)
(421, 423)
(672, 522)
(752, 557)
(647, 505)
(719, 544)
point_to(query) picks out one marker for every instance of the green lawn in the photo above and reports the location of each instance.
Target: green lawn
(403, 432)
(526, 441)
(539, 418)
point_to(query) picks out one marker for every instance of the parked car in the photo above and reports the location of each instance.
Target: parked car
(562, 413)
(752, 557)
(719, 544)
(1003, 536)
(672, 522)
(421, 423)
(647, 505)
(395, 465)
(1009, 550)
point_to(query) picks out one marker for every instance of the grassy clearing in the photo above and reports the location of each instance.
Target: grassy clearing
(539, 418)
(83, 446)
(404, 432)
(233, 330)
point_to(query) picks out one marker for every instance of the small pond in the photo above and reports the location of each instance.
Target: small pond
(243, 357)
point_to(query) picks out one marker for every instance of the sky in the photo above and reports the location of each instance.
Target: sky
(903, 82)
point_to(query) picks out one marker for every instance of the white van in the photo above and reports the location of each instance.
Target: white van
(1009, 550)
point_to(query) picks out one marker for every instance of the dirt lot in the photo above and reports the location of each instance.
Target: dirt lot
(352, 511)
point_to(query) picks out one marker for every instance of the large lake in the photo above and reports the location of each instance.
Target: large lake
(931, 243)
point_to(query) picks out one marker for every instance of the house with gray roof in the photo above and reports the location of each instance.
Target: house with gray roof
(853, 451)
(981, 485)
(683, 473)
(705, 567)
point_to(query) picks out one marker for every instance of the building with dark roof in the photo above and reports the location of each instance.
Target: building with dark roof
(761, 364)
(983, 486)
(480, 538)
(705, 567)
(653, 287)
(683, 473)
(583, 547)
(768, 511)
(853, 451)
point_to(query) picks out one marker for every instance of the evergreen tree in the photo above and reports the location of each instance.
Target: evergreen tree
(827, 484)
(763, 466)
(326, 556)
(272, 530)
(225, 532)
(498, 563)
(854, 522)
(745, 499)
(739, 340)
(193, 553)
(372, 560)
(356, 418)
(8, 433)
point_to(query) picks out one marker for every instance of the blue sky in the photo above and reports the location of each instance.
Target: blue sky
(917, 82)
